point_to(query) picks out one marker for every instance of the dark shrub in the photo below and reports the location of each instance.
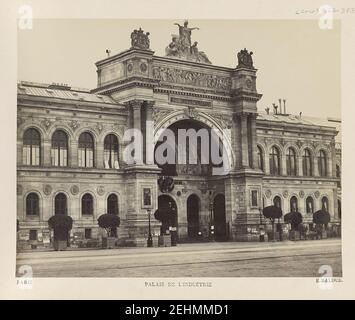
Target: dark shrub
(321, 217)
(109, 222)
(61, 224)
(293, 218)
(166, 216)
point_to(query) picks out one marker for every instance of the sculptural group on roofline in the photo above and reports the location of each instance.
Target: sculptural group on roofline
(181, 47)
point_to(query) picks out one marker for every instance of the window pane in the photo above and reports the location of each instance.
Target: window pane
(26, 155)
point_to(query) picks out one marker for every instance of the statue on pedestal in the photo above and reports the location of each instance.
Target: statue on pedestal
(180, 46)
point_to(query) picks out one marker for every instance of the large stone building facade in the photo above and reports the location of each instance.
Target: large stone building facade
(70, 145)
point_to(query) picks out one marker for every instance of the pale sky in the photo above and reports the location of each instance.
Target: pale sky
(296, 60)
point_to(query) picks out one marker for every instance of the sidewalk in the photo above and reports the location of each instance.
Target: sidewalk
(180, 248)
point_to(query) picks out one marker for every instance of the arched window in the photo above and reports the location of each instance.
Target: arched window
(60, 204)
(86, 150)
(325, 204)
(111, 152)
(59, 152)
(31, 152)
(293, 204)
(291, 162)
(322, 163)
(260, 159)
(277, 202)
(307, 163)
(32, 204)
(87, 207)
(275, 162)
(309, 205)
(112, 204)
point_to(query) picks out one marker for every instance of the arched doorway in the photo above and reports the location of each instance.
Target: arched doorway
(167, 203)
(193, 209)
(219, 218)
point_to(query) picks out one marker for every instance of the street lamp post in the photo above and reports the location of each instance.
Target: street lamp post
(211, 222)
(150, 239)
(261, 228)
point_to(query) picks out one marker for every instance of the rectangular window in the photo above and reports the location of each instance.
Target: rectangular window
(254, 198)
(87, 233)
(33, 234)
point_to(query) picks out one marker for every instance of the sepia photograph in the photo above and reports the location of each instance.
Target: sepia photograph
(178, 148)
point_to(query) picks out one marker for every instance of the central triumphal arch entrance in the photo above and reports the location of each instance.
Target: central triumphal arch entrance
(183, 90)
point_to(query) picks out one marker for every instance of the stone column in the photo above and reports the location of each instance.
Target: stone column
(99, 156)
(283, 163)
(331, 163)
(136, 107)
(236, 141)
(253, 140)
(47, 145)
(244, 140)
(73, 154)
(315, 166)
(149, 134)
(300, 165)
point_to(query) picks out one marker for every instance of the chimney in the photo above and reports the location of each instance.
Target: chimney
(285, 106)
(280, 106)
(275, 108)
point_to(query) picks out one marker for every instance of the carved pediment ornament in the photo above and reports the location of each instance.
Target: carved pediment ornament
(191, 112)
(99, 127)
(46, 123)
(100, 190)
(47, 189)
(74, 190)
(299, 143)
(74, 124)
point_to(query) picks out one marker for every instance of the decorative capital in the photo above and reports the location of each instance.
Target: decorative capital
(135, 104)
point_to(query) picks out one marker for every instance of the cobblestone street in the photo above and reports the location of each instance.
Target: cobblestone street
(219, 259)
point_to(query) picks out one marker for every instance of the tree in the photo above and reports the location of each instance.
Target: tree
(109, 222)
(294, 218)
(272, 213)
(61, 224)
(321, 217)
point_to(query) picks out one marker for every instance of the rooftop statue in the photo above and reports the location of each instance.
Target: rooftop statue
(181, 47)
(140, 40)
(244, 59)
